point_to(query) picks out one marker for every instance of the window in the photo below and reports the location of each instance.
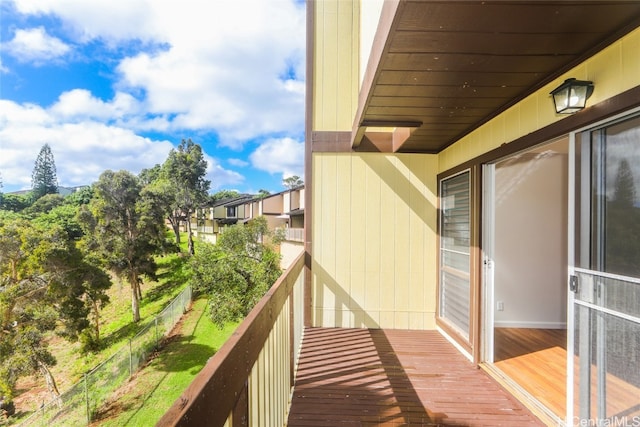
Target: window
(231, 211)
(612, 164)
(455, 252)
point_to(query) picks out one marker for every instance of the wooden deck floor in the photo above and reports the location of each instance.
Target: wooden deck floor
(360, 377)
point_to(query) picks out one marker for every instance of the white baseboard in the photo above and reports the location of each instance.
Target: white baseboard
(531, 325)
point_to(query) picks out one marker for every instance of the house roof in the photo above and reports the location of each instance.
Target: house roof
(295, 212)
(444, 68)
(227, 221)
(288, 190)
(233, 201)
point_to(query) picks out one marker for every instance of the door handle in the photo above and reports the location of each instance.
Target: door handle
(573, 284)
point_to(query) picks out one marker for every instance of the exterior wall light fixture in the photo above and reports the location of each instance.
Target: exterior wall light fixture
(571, 96)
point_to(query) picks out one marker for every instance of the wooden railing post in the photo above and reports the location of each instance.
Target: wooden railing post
(241, 410)
(292, 340)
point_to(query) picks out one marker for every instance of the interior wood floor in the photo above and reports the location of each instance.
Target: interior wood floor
(536, 359)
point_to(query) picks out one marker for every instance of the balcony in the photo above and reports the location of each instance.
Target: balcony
(294, 234)
(357, 377)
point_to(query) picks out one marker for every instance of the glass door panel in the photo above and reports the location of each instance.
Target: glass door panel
(606, 275)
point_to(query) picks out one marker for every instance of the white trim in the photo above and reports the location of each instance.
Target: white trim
(488, 253)
(610, 312)
(455, 252)
(571, 224)
(531, 325)
(612, 276)
(453, 342)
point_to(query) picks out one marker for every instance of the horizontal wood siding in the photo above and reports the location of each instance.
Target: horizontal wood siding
(361, 377)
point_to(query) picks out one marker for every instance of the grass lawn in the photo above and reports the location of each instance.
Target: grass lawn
(148, 394)
(116, 330)
(116, 318)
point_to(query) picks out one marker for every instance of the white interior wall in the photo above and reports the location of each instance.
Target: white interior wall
(531, 239)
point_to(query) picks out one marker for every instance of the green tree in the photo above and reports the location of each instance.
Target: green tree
(223, 194)
(623, 225)
(147, 176)
(44, 283)
(43, 178)
(82, 196)
(262, 193)
(16, 202)
(25, 353)
(237, 271)
(185, 169)
(44, 204)
(292, 181)
(125, 226)
(163, 191)
(625, 190)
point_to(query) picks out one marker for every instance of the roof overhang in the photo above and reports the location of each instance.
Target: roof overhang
(295, 212)
(440, 69)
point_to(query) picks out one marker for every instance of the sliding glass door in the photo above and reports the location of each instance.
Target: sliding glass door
(605, 275)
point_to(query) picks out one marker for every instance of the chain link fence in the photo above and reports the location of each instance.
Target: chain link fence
(78, 405)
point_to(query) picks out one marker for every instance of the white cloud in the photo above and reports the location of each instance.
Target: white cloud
(221, 177)
(82, 149)
(225, 67)
(284, 155)
(113, 20)
(233, 67)
(35, 45)
(238, 162)
(79, 104)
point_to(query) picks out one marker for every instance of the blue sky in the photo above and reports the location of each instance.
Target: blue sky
(115, 84)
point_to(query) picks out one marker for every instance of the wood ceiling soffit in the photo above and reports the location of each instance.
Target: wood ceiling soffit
(461, 63)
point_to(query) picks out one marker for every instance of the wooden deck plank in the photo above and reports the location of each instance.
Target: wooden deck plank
(360, 377)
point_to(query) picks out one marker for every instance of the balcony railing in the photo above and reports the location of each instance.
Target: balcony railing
(249, 380)
(202, 229)
(294, 234)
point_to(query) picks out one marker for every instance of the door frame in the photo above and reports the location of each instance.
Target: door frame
(571, 241)
(617, 106)
(487, 247)
(488, 254)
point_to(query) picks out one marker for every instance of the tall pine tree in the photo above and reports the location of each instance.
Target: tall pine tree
(43, 178)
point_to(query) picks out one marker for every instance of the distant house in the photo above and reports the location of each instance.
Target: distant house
(283, 210)
(293, 214)
(209, 221)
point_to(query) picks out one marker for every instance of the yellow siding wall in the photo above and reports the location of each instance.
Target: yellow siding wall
(613, 70)
(336, 54)
(374, 240)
